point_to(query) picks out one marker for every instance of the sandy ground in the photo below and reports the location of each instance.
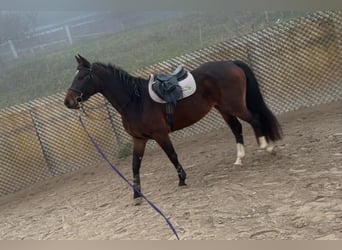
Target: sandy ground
(295, 194)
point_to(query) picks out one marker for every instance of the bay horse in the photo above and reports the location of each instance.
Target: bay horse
(229, 86)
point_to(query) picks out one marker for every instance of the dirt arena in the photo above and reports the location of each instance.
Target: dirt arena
(294, 194)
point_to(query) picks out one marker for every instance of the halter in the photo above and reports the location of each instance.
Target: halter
(79, 98)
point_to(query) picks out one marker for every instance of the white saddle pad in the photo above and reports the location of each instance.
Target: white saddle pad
(188, 86)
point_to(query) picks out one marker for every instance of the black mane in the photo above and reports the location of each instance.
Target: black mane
(135, 84)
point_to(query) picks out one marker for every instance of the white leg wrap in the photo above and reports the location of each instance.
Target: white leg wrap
(240, 153)
(240, 150)
(262, 142)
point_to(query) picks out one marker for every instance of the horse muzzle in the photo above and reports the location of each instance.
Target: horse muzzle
(71, 101)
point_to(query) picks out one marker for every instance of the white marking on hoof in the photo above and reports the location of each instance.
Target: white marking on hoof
(137, 201)
(270, 148)
(238, 162)
(262, 142)
(240, 154)
(240, 150)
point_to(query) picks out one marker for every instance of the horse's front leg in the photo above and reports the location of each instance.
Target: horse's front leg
(166, 144)
(138, 153)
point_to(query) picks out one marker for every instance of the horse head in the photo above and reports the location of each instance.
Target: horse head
(83, 86)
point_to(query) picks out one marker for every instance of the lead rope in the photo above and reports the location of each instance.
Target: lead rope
(124, 178)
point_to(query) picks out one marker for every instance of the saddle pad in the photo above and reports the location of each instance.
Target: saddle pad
(188, 86)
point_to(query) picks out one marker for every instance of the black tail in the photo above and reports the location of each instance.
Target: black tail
(255, 103)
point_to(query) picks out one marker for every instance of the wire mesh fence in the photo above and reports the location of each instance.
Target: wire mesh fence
(298, 64)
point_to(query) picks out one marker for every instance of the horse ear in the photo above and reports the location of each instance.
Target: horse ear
(84, 62)
(78, 59)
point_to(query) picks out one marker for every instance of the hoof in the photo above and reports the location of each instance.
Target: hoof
(270, 149)
(238, 162)
(262, 142)
(137, 201)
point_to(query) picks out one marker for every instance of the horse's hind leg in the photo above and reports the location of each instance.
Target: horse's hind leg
(236, 128)
(166, 144)
(254, 120)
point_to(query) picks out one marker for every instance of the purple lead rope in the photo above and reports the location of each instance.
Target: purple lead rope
(124, 178)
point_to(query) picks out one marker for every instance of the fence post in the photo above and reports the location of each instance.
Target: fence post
(41, 144)
(249, 56)
(122, 26)
(14, 52)
(200, 34)
(67, 30)
(117, 137)
(266, 16)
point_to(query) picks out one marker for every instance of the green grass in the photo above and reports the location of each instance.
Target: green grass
(50, 73)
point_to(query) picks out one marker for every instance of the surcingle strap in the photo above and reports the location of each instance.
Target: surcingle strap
(167, 88)
(170, 92)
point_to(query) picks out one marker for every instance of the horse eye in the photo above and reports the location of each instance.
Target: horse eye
(81, 77)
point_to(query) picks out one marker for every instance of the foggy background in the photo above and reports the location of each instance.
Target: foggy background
(37, 48)
(24, 33)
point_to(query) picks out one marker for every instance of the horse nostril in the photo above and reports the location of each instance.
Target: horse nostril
(66, 102)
